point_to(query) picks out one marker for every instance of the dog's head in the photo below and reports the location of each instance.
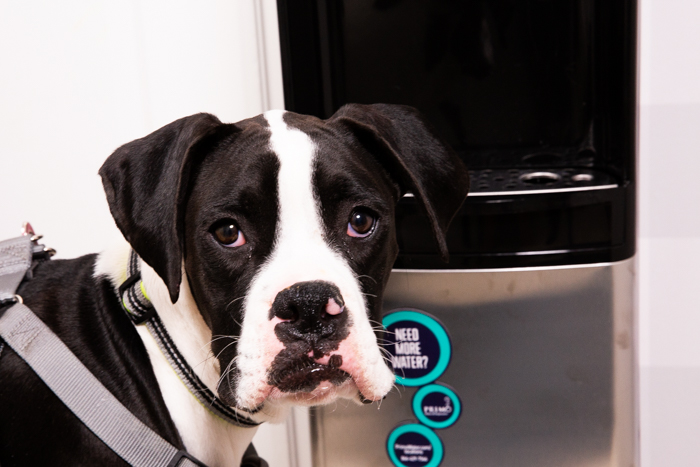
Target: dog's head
(285, 226)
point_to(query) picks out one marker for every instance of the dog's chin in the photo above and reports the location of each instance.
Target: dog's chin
(323, 393)
(273, 403)
(312, 385)
(300, 379)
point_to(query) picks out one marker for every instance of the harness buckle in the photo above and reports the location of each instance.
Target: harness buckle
(14, 299)
(180, 455)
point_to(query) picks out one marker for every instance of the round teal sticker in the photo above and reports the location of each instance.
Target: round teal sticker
(419, 346)
(414, 445)
(437, 406)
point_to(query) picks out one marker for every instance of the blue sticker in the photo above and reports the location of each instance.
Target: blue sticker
(437, 406)
(414, 445)
(419, 346)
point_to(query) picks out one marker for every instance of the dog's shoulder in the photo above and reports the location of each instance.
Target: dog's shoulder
(82, 308)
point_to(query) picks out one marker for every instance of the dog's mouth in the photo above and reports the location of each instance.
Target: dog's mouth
(304, 374)
(310, 373)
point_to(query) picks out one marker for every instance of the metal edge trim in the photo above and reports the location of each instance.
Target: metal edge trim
(535, 268)
(542, 192)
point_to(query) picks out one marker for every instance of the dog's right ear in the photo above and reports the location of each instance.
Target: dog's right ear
(406, 145)
(146, 183)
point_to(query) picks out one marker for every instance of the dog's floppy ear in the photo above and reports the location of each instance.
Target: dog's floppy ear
(416, 158)
(146, 184)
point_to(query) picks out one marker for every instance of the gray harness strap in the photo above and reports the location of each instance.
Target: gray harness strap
(82, 393)
(15, 261)
(71, 381)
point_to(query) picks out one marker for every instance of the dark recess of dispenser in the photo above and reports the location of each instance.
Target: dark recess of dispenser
(537, 96)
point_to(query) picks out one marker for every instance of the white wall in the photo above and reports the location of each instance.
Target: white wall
(81, 78)
(669, 246)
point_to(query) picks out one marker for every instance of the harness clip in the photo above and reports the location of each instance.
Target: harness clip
(175, 461)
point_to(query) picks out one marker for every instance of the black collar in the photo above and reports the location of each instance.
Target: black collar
(141, 311)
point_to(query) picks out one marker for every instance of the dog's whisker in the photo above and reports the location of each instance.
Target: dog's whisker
(211, 354)
(233, 301)
(225, 373)
(233, 318)
(362, 276)
(216, 339)
(378, 326)
(226, 347)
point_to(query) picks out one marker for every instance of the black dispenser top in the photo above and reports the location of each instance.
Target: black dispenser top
(537, 96)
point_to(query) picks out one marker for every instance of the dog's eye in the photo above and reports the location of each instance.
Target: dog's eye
(361, 223)
(228, 234)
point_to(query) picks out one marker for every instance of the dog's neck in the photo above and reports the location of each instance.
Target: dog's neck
(207, 437)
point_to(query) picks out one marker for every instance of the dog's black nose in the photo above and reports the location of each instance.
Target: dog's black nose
(312, 312)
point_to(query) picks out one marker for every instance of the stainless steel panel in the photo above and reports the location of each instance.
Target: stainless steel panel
(543, 361)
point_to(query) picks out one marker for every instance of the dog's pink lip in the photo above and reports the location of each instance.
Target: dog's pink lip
(303, 374)
(347, 366)
(323, 360)
(351, 367)
(325, 392)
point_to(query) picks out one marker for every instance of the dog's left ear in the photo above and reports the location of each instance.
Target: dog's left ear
(415, 157)
(146, 183)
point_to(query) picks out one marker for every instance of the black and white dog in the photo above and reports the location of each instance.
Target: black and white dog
(264, 246)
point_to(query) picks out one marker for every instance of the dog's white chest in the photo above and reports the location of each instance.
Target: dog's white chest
(207, 437)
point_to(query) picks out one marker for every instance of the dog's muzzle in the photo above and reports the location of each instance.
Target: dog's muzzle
(312, 324)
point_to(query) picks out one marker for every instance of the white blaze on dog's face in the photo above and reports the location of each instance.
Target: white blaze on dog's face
(331, 349)
(285, 225)
(289, 241)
